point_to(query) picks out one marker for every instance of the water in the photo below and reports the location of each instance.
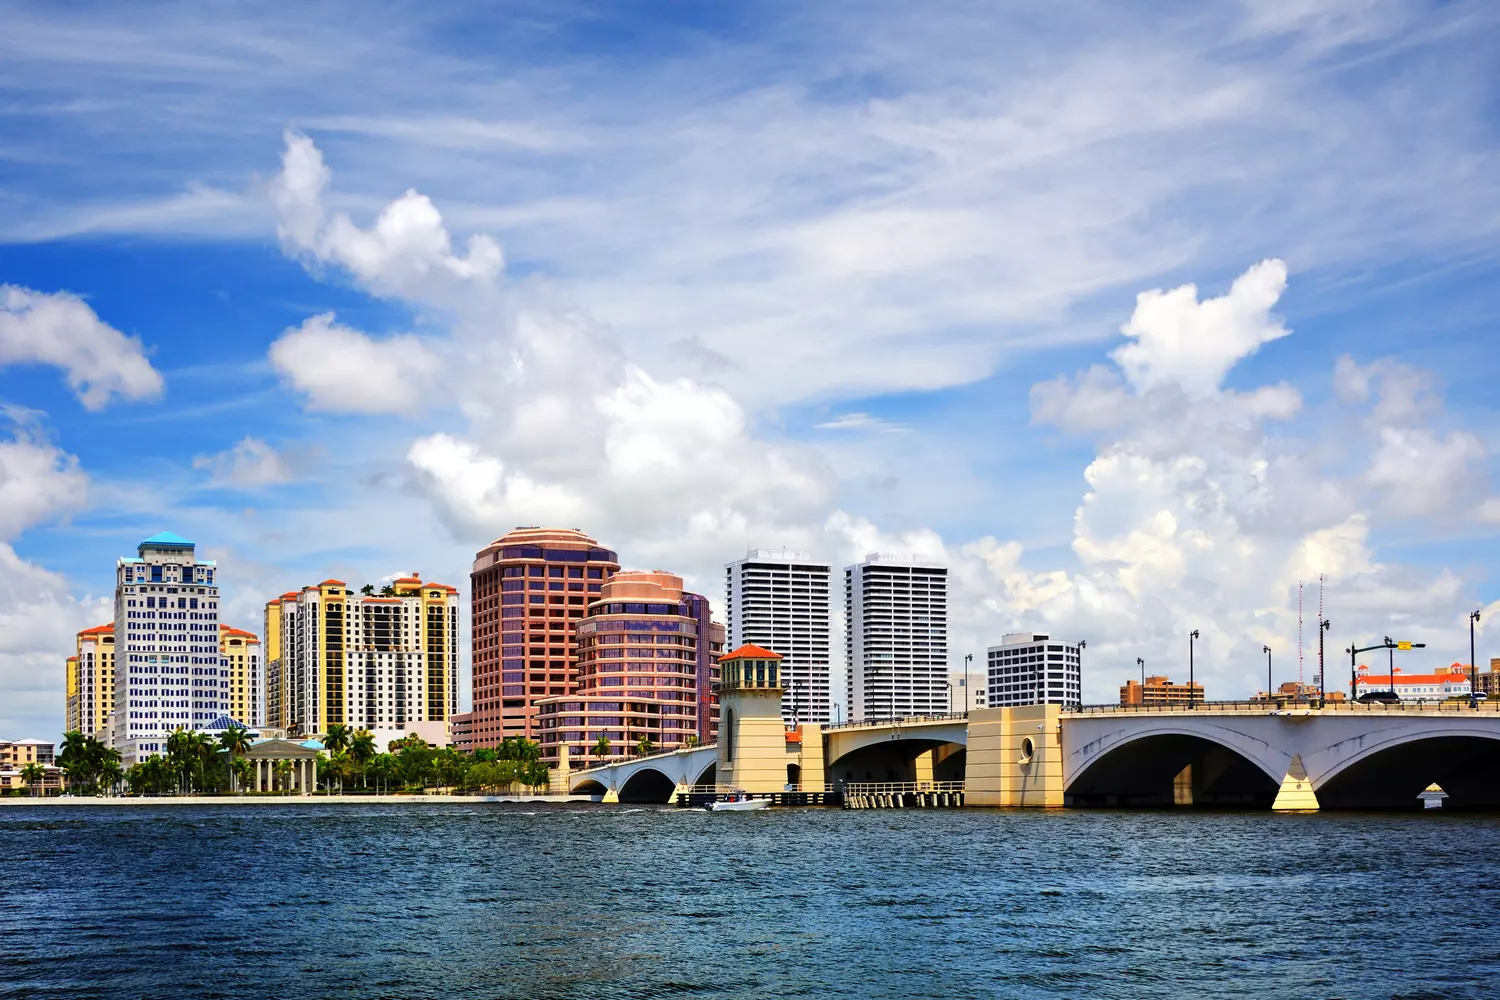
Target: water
(408, 902)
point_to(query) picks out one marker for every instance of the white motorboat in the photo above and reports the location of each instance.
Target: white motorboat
(739, 803)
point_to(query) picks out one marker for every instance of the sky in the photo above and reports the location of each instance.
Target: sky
(1142, 318)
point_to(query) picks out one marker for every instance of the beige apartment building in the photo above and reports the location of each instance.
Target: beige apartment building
(17, 754)
(90, 683)
(337, 656)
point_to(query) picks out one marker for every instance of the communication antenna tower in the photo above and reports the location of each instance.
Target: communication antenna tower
(1321, 578)
(1299, 634)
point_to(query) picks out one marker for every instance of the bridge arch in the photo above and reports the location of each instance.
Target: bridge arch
(648, 784)
(588, 786)
(1390, 772)
(1170, 763)
(908, 758)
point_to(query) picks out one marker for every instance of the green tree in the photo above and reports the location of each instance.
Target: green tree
(243, 771)
(110, 774)
(383, 767)
(368, 590)
(519, 748)
(34, 774)
(601, 748)
(233, 741)
(644, 745)
(75, 760)
(282, 770)
(362, 749)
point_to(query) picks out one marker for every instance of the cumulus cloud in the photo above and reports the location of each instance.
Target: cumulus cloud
(61, 330)
(250, 463)
(343, 370)
(1192, 345)
(407, 251)
(39, 483)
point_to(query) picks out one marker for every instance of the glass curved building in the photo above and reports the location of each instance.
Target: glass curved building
(529, 589)
(648, 656)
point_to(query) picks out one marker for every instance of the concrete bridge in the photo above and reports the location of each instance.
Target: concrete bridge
(653, 778)
(1253, 756)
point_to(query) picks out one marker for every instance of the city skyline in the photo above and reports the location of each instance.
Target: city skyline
(1132, 323)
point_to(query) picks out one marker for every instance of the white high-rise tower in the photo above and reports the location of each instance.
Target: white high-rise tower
(169, 673)
(780, 601)
(896, 638)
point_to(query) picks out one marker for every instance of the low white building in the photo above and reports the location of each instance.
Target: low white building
(1440, 685)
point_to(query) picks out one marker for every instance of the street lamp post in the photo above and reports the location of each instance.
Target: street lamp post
(1267, 650)
(1192, 694)
(968, 701)
(1473, 664)
(1142, 664)
(1082, 645)
(1323, 626)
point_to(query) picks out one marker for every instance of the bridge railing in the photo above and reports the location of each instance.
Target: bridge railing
(900, 787)
(712, 788)
(904, 720)
(1290, 705)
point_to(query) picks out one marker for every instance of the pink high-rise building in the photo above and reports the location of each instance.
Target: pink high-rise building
(648, 655)
(529, 590)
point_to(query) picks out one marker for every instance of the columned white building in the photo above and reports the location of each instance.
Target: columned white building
(169, 674)
(1032, 668)
(896, 638)
(780, 601)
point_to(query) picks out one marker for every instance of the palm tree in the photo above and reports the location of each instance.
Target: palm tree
(362, 748)
(110, 774)
(644, 746)
(601, 748)
(180, 752)
(283, 771)
(33, 774)
(75, 758)
(234, 741)
(243, 770)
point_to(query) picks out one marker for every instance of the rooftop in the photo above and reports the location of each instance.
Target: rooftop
(164, 540)
(750, 651)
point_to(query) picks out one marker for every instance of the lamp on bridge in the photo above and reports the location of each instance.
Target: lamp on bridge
(1082, 645)
(1267, 650)
(1473, 664)
(1142, 664)
(1192, 692)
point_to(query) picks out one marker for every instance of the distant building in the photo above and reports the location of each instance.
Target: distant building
(166, 632)
(461, 731)
(781, 601)
(366, 661)
(968, 691)
(15, 755)
(895, 639)
(1489, 680)
(90, 682)
(648, 655)
(528, 590)
(1160, 691)
(240, 651)
(1440, 685)
(1295, 691)
(1031, 668)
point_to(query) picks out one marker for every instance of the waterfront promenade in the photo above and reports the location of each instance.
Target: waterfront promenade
(174, 801)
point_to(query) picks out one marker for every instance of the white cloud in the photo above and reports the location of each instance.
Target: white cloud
(1423, 472)
(859, 422)
(60, 329)
(343, 370)
(250, 463)
(407, 252)
(1192, 345)
(38, 482)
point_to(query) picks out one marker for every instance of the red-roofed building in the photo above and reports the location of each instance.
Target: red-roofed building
(1440, 685)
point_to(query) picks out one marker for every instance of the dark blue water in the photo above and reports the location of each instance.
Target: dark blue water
(398, 902)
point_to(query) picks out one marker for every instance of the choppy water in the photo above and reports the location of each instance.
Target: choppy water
(501, 901)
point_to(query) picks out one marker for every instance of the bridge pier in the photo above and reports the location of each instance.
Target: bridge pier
(1296, 793)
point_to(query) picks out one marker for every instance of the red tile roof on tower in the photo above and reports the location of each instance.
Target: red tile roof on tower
(105, 629)
(332, 583)
(231, 630)
(750, 651)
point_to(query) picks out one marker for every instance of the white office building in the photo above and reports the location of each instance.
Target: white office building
(780, 601)
(169, 673)
(895, 638)
(1029, 668)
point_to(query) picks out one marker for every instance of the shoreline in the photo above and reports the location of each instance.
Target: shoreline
(290, 800)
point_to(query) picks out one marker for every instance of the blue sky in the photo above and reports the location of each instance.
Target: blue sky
(353, 290)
